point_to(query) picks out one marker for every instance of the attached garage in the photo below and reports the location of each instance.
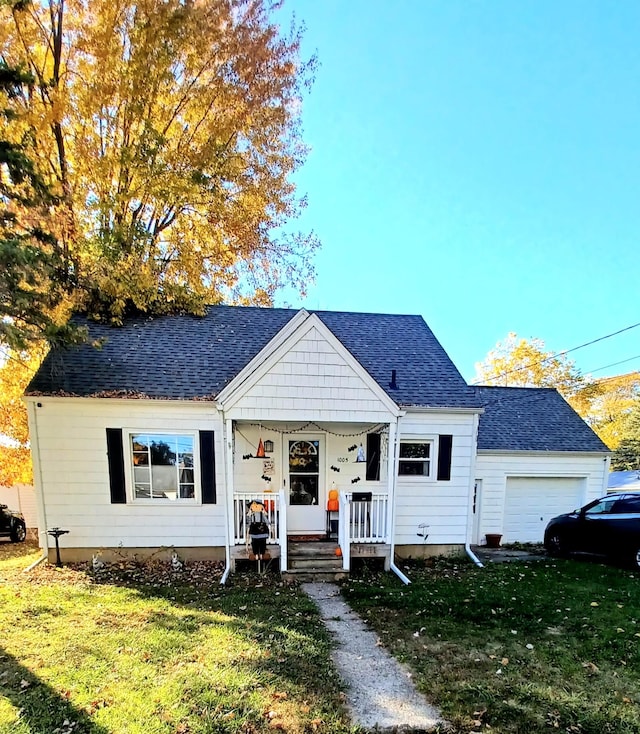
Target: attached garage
(530, 502)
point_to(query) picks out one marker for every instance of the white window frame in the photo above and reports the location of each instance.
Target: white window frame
(431, 442)
(128, 433)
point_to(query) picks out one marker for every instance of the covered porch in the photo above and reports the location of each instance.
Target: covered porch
(296, 470)
(360, 527)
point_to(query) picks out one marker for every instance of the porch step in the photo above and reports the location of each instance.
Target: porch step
(301, 575)
(314, 559)
(319, 564)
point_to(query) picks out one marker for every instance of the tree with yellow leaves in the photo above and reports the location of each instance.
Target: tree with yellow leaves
(606, 405)
(168, 131)
(517, 362)
(16, 369)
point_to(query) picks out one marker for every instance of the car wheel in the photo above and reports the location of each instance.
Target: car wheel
(556, 545)
(18, 532)
(635, 558)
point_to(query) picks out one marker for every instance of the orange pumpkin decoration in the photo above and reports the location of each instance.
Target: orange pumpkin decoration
(332, 505)
(333, 494)
(338, 551)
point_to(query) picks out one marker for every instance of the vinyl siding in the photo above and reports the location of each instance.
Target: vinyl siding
(443, 505)
(75, 474)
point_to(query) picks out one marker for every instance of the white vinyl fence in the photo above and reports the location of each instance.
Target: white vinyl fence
(21, 498)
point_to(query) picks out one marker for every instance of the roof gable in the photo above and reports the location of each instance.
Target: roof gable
(532, 419)
(306, 367)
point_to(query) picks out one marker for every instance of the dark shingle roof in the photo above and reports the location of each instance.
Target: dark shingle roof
(532, 419)
(192, 357)
(425, 374)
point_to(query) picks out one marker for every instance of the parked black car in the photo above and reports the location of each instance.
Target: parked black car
(609, 526)
(12, 525)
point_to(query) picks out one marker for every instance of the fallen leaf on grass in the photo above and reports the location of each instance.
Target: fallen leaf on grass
(591, 667)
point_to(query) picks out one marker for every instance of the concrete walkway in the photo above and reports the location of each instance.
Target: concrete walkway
(380, 694)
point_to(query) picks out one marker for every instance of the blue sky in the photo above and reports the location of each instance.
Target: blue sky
(478, 163)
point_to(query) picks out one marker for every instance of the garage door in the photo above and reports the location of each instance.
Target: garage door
(530, 503)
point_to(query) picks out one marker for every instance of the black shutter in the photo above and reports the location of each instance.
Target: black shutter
(207, 468)
(115, 457)
(373, 457)
(445, 444)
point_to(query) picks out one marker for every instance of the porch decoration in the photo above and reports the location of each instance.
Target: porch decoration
(332, 502)
(268, 446)
(258, 530)
(260, 453)
(360, 458)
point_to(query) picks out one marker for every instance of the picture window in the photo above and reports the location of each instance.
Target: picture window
(163, 466)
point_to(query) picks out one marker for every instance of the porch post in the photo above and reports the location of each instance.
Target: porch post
(229, 490)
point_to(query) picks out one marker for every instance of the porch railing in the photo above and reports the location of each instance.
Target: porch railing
(358, 522)
(368, 520)
(362, 522)
(274, 506)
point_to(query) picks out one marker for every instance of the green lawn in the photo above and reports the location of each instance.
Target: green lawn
(164, 656)
(549, 646)
(516, 647)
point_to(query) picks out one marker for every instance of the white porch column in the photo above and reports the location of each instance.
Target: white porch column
(229, 484)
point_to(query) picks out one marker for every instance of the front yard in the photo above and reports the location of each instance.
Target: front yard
(530, 647)
(164, 656)
(540, 647)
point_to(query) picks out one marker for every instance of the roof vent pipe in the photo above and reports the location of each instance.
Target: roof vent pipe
(393, 384)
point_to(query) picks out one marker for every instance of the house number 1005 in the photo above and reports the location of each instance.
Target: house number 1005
(343, 460)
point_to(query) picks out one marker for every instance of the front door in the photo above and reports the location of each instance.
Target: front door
(304, 484)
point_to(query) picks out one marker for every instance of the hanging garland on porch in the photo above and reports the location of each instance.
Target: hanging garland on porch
(375, 428)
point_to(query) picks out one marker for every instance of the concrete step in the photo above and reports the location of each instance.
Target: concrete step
(304, 575)
(320, 564)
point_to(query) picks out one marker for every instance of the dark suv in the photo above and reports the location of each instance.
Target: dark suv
(609, 526)
(12, 525)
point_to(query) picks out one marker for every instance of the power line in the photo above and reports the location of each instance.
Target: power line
(613, 364)
(557, 354)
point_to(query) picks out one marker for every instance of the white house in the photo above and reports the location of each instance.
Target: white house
(163, 435)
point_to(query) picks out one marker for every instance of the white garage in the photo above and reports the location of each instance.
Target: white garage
(530, 502)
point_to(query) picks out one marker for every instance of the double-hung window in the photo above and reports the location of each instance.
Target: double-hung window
(163, 466)
(415, 458)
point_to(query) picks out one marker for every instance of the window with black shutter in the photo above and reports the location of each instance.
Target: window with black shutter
(115, 458)
(373, 457)
(445, 446)
(207, 467)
